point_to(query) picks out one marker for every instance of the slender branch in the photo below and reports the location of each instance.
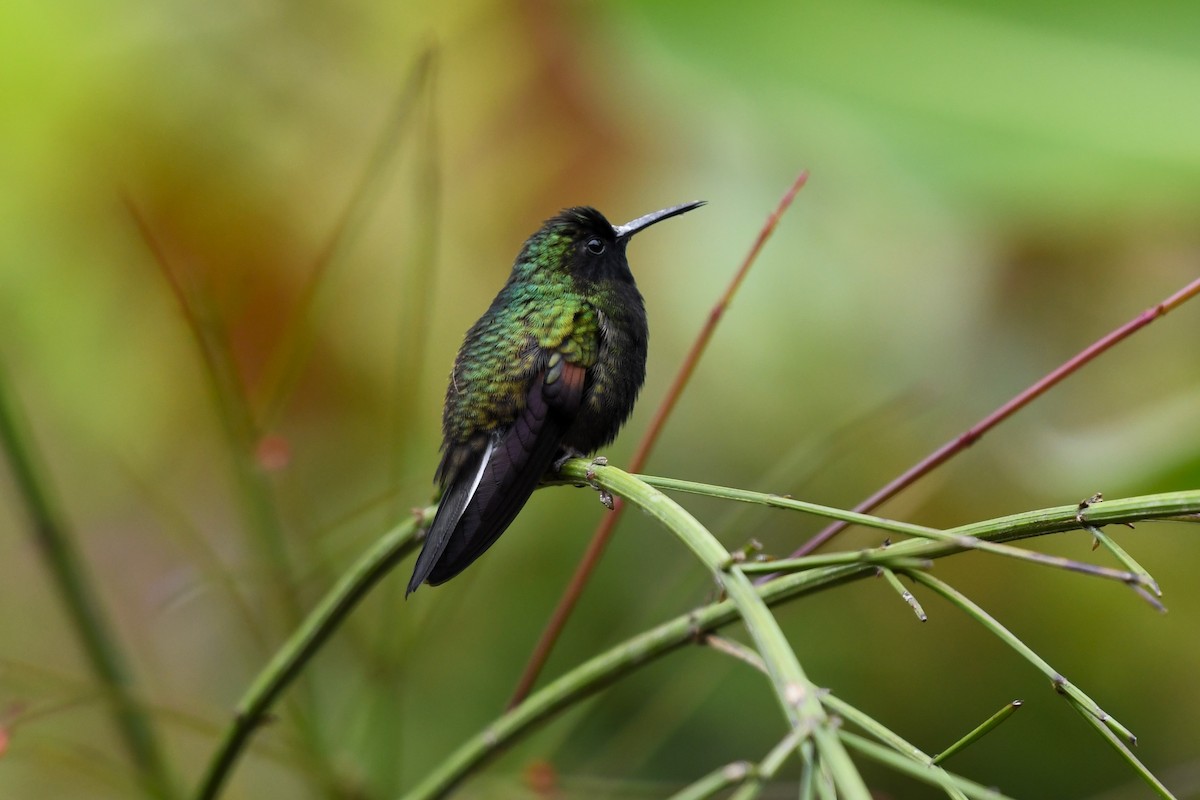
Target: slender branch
(904, 593)
(756, 781)
(715, 782)
(646, 648)
(887, 555)
(937, 777)
(1116, 734)
(797, 696)
(83, 604)
(986, 727)
(290, 660)
(641, 650)
(608, 523)
(1127, 560)
(976, 431)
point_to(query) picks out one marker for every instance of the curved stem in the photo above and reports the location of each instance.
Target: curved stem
(291, 659)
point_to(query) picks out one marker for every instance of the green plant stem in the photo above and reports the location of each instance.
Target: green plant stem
(1123, 749)
(290, 659)
(237, 423)
(1127, 560)
(936, 776)
(904, 593)
(757, 780)
(837, 707)
(1116, 734)
(81, 600)
(985, 728)
(877, 555)
(887, 736)
(715, 782)
(797, 696)
(629, 656)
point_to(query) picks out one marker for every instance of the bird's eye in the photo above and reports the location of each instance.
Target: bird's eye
(595, 246)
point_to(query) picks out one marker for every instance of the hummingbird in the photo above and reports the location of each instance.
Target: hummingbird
(550, 371)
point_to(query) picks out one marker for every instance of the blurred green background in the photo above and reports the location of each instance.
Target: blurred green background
(993, 187)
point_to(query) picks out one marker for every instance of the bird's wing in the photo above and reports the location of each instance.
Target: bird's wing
(489, 489)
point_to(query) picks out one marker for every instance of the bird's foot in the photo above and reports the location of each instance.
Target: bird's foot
(606, 499)
(568, 454)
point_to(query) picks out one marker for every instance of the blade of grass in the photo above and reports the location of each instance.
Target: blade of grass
(608, 523)
(1006, 410)
(83, 605)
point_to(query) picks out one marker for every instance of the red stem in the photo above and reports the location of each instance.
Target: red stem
(976, 431)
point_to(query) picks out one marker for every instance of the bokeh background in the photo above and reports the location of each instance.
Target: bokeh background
(993, 187)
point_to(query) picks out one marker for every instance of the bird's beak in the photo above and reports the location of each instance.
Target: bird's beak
(630, 228)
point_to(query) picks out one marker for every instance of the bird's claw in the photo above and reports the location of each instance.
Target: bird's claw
(564, 458)
(606, 498)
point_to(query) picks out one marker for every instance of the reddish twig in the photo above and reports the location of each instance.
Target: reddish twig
(604, 531)
(976, 432)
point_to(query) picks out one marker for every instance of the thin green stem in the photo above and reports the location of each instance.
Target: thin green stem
(1117, 734)
(84, 607)
(936, 776)
(978, 733)
(715, 782)
(304, 643)
(758, 778)
(797, 696)
(887, 736)
(1123, 749)
(629, 656)
(904, 593)
(875, 556)
(1126, 560)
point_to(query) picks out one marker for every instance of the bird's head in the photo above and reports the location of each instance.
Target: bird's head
(582, 243)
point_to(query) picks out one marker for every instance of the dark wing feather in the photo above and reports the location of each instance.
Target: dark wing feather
(450, 510)
(489, 490)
